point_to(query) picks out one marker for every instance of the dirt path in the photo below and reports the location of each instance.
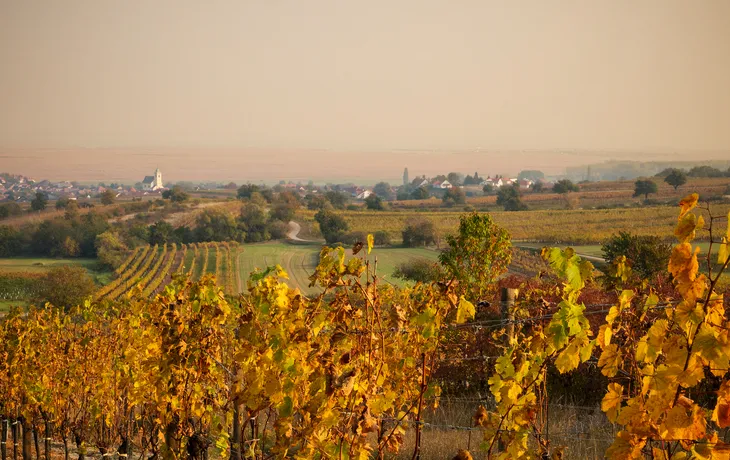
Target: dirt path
(293, 233)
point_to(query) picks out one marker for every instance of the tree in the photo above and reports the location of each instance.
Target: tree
(420, 193)
(538, 187)
(332, 225)
(384, 190)
(39, 202)
(531, 174)
(282, 211)
(161, 233)
(565, 186)
(253, 223)
(420, 270)
(510, 198)
(454, 195)
(647, 255)
(419, 232)
(374, 202)
(676, 178)
(487, 189)
(644, 187)
(455, 178)
(246, 190)
(108, 197)
(11, 241)
(110, 249)
(66, 286)
(62, 203)
(477, 255)
(176, 194)
(72, 211)
(217, 225)
(337, 199)
(705, 171)
(10, 209)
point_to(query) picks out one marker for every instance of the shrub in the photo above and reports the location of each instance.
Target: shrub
(332, 225)
(418, 270)
(66, 286)
(647, 255)
(419, 232)
(278, 229)
(382, 238)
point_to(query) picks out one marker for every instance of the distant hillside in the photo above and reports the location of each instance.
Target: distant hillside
(618, 170)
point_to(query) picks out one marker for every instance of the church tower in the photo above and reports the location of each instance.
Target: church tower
(158, 178)
(405, 177)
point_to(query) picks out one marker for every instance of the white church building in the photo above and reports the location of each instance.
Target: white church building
(153, 183)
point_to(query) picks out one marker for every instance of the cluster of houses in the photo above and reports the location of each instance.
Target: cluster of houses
(21, 188)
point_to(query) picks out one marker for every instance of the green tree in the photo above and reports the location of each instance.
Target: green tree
(337, 199)
(384, 190)
(110, 249)
(510, 198)
(419, 232)
(455, 178)
(217, 225)
(66, 286)
(477, 255)
(246, 190)
(487, 189)
(454, 195)
(332, 225)
(565, 186)
(40, 202)
(647, 255)
(538, 187)
(531, 174)
(374, 202)
(161, 233)
(62, 203)
(420, 193)
(11, 241)
(282, 211)
(644, 187)
(676, 178)
(419, 270)
(176, 194)
(108, 197)
(253, 223)
(10, 209)
(705, 171)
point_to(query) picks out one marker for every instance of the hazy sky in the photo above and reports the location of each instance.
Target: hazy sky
(227, 80)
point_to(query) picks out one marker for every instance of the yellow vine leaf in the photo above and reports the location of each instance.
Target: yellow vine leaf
(465, 311)
(610, 360)
(625, 447)
(688, 203)
(463, 455)
(688, 226)
(722, 253)
(371, 242)
(611, 403)
(721, 414)
(604, 336)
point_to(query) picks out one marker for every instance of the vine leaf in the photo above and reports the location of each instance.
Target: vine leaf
(611, 403)
(465, 311)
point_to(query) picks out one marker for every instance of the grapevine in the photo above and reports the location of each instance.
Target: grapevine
(127, 262)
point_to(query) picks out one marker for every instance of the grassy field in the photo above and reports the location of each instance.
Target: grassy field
(299, 260)
(41, 265)
(582, 227)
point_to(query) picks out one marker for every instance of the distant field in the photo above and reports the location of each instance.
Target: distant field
(591, 195)
(38, 265)
(300, 260)
(554, 226)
